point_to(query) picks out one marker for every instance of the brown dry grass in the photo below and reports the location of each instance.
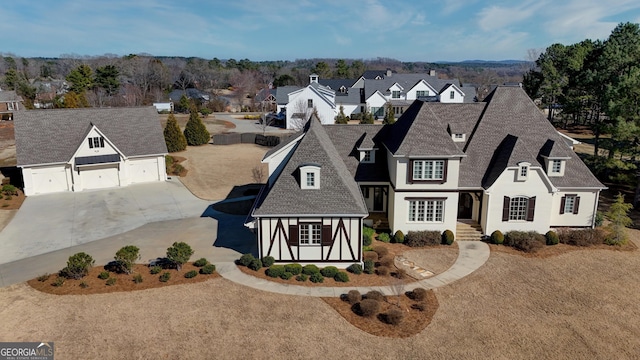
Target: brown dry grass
(213, 125)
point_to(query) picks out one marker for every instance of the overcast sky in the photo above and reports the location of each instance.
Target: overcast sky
(408, 30)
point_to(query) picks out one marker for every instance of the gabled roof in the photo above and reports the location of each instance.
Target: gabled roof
(336, 84)
(53, 136)
(6, 96)
(511, 151)
(339, 194)
(282, 93)
(349, 138)
(190, 93)
(407, 81)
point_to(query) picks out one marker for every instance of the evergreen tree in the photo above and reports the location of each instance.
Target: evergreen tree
(342, 118)
(71, 100)
(390, 116)
(367, 117)
(195, 132)
(173, 136)
(618, 215)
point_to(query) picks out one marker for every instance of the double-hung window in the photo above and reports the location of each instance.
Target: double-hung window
(395, 94)
(426, 210)
(310, 234)
(428, 169)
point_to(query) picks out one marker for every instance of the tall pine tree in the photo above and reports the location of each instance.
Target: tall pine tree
(173, 136)
(195, 131)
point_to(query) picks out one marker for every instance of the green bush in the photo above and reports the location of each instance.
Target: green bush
(341, 276)
(207, 269)
(155, 269)
(165, 276)
(191, 274)
(353, 297)
(497, 237)
(275, 271)
(369, 266)
(111, 281)
(316, 278)
(551, 237)
(302, 277)
(137, 278)
(310, 269)
(173, 137)
(599, 219)
(384, 237)
(423, 238)
(44, 277)
(246, 259)
(104, 275)
(294, 269)
(77, 266)
(195, 131)
(9, 190)
(125, 258)
(527, 241)
(367, 235)
(448, 237)
(329, 271)
(398, 237)
(286, 275)
(59, 281)
(200, 262)
(268, 261)
(84, 285)
(368, 307)
(255, 265)
(179, 253)
(355, 269)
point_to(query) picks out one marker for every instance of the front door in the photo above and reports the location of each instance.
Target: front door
(378, 199)
(465, 206)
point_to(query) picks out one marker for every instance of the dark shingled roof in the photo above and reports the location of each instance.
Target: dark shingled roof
(349, 138)
(11, 95)
(338, 194)
(53, 136)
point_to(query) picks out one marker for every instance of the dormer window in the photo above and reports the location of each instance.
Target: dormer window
(452, 95)
(395, 94)
(555, 167)
(523, 171)
(310, 176)
(367, 156)
(458, 137)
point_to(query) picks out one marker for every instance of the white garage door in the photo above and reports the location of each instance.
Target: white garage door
(49, 180)
(144, 170)
(99, 178)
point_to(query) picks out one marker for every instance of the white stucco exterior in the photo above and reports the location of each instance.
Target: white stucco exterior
(304, 101)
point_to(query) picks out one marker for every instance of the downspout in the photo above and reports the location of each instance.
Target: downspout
(595, 210)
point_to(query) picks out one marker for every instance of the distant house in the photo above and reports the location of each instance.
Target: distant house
(496, 164)
(190, 93)
(9, 103)
(299, 103)
(80, 149)
(163, 106)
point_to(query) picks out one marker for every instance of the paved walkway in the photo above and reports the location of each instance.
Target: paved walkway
(471, 255)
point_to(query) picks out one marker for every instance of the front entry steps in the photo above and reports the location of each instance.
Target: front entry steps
(468, 230)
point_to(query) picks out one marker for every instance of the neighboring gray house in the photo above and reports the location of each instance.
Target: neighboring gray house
(94, 148)
(497, 164)
(9, 102)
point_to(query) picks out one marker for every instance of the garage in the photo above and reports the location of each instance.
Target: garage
(99, 177)
(144, 170)
(49, 180)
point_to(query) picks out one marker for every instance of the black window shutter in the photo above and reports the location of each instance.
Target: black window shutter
(531, 209)
(505, 208)
(410, 173)
(293, 235)
(562, 202)
(326, 235)
(101, 142)
(90, 143)
(576, 204)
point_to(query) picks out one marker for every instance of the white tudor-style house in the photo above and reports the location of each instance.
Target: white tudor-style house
(498, 164)
(80, 149)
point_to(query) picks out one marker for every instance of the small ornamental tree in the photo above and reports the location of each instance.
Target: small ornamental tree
(390, 116)
(179, 253)
(173, 136)
(195, 132)
(77, 266)
(618, 215)
(342, 118)
(125, 257)
(367, 118)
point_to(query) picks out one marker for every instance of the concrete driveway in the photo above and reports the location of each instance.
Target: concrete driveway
(47, 223)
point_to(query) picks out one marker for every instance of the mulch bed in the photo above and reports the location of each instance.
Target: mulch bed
(414, 320)
(124, 282)
(12, 202)
(175, 170)
(560, 249)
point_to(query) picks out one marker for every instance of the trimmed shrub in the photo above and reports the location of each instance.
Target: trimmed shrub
(207, 269)
(423, 238)
(316, 278)
(179, 253)
(246, 259)
(582, 237)
(191, 274)
(371, 255)
(165, 276)
(104, 275)
(418, 294)
(341, 276)
(382, 271)
(268, 261)
(527, 241)
(355, 269)
(155, 270)
(125, 257)
(368, 307)
(286, 275)
(302, 277)
(398, 237)
(367, 235)
(310, 269)
(195, 131)
(369, 267)
(353, 297)
(294, 269)
(421, 306)
(400, 273)
(59, 281)
(77, 266)
(551, 237)
(275, 271)
(374, 295)
(386, 261)
(200, 262)
(384, 237)
(393, 316)
(381, 251)
(448, 237)
(137, 278)
(173, 137)
(111, 281)
(329, 271)
(43, 277)
(255, 264)
(497, 237)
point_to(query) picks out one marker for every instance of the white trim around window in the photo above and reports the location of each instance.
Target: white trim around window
(310, 234)
(426, 210)
(428, 170)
